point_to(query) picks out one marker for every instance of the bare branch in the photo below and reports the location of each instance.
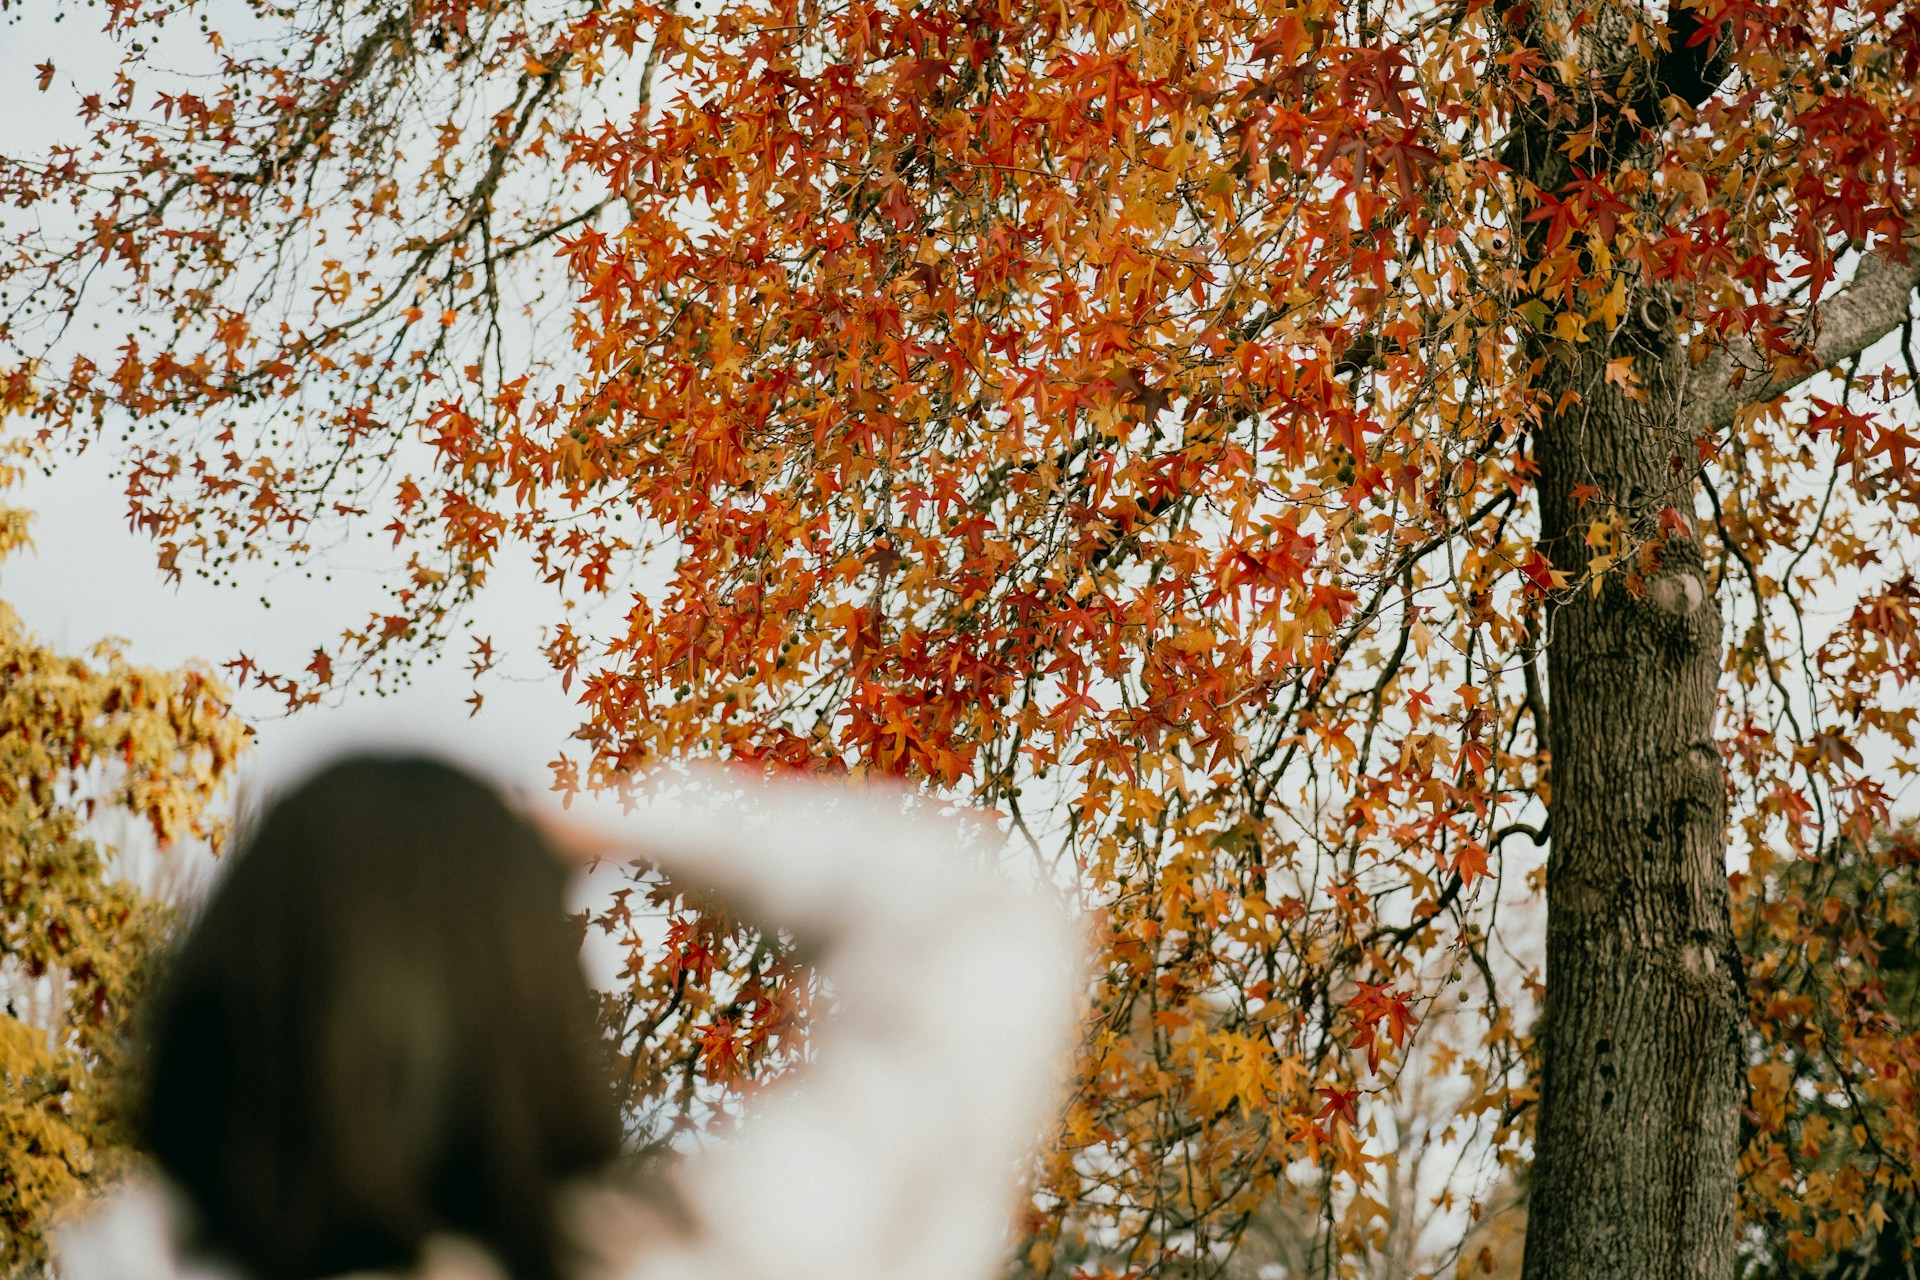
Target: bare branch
(1737, 374)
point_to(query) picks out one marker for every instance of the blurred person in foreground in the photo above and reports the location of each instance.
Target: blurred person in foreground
(374, 1052)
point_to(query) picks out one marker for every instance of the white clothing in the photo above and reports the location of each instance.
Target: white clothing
(896, 1151)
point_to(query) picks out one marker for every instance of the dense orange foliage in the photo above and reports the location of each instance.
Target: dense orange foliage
(1117, 415)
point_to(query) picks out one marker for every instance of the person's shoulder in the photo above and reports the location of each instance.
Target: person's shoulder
(625, 1229)
(629, 1225)
(132, 1231)
(129, 1231)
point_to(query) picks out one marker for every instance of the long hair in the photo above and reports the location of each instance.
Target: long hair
(377, 1030)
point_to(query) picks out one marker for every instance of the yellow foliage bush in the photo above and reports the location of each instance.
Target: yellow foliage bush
(79, 735)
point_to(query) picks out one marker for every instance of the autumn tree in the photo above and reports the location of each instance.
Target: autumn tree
(1294, 458)
(1853, 977)
(80, 736)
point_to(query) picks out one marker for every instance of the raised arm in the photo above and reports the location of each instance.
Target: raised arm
(896, 1151)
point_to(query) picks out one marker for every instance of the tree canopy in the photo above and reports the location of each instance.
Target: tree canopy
(1193, 430)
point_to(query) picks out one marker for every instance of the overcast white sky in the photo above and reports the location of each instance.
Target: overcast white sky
(89, 576)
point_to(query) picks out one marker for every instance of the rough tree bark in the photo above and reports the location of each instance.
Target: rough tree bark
(1641, 1084)
(1636, 1137)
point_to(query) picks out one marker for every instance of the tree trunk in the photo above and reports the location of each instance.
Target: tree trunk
(1636, 1140)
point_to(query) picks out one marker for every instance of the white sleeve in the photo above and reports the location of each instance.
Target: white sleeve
(897, 1151)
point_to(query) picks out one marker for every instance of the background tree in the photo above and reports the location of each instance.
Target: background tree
(1830, 1166)
(80, 736)
(1246, 442)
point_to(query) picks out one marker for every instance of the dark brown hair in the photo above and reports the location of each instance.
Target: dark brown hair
(379, 1029)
